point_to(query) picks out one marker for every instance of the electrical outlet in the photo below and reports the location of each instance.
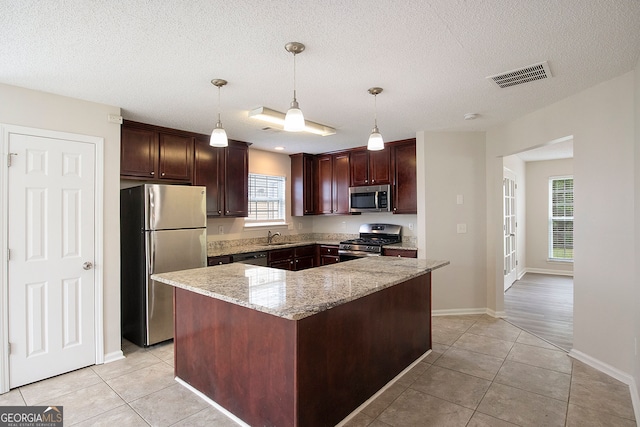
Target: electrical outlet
(114, 118)
(462, 228)
(410, 226)
(459, 199)
(220, 229)
(300, 226)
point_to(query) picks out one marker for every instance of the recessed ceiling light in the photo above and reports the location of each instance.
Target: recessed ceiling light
(278, 148)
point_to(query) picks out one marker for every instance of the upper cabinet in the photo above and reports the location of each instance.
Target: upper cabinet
(236, 179)
(320, 183)
(333, 183)
(154, 153)
(403, 166)
(370, 167)
(303, 182)
(225, 173)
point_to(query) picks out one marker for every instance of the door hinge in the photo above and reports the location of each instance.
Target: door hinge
(9, 158)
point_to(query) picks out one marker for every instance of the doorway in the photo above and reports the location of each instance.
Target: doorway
(509, 225)
(51, 286)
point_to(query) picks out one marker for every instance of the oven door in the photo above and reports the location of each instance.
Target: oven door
(347, 255)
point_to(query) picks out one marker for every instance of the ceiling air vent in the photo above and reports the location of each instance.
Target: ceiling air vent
(522, 75)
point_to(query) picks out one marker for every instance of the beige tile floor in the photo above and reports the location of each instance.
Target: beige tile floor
(482, 372)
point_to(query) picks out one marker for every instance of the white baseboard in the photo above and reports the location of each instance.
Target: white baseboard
(468, 311)
(211, 402)
(614, 373)
(545, 271)
(113, 356)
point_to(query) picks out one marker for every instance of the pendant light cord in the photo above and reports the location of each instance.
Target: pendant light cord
(375, 111)
(219, 105)
(294, 77)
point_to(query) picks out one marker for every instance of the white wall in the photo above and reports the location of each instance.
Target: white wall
(637, 241)
(602, 123)
(537, 194)
(516, 165)
(452, 164)
(35, 109)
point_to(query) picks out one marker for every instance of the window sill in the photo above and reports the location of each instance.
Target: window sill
(561, 261)
(278, 224)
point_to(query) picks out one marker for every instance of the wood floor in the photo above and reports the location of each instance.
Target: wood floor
(543, 305)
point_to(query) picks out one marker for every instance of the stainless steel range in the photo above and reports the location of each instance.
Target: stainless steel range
(372, 238)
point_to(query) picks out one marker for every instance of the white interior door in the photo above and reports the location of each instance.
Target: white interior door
(509, 226)
(50, 275)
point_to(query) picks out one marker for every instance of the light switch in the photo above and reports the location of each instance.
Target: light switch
(220, 229)
(462, 228)
(460, 199)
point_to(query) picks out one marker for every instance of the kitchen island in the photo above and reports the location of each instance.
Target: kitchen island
(306, 348)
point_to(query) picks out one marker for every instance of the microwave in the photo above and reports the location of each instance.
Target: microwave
(372, 198)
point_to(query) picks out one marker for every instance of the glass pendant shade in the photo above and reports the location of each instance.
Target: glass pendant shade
(375, 140)
(294, 120)
(219, 137)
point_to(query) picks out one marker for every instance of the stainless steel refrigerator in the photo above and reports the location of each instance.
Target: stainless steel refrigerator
(163, 228)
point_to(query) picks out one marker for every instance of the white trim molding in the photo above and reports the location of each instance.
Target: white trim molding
(468, 311)
(613, 373)
(113, 356)
(545, 271)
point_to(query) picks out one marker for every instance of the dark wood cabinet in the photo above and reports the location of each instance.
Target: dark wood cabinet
(403, 165)
(298, 258)
(327, 254)
(370, 167)
(404, 253)
(236, 179)
(333, 183)
(225, 173)
(303, 182)
(207, 171)
(150, 152)
(218, 260)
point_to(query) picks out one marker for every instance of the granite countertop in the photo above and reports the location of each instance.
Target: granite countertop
(298, 294)
(257, 247)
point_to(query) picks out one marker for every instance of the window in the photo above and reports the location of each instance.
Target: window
(561, 218)
(266, 200)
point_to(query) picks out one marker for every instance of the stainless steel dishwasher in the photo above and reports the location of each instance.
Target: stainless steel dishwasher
(253, 258)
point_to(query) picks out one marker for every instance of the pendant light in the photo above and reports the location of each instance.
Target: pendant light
(219, 136)
(294, 120)
(375, 139)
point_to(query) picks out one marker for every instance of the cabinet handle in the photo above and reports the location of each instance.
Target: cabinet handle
(220, 212)
(162, 173)
(227, 211)
(366, 181)
(153, 173)
(220, 262)
(373, 180)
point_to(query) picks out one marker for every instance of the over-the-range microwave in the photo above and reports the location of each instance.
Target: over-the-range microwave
(372, 198)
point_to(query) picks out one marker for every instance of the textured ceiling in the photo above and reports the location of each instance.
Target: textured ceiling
(155, 60)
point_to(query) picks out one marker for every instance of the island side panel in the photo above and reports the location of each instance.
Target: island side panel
(346, 354)
(240, 358)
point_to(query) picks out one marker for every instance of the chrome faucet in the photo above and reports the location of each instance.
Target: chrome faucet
(271, 236)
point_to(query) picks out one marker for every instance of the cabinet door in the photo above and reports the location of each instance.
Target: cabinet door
(380, 167)
(359, 166)
(402, 253)
(302, 185)
(303, 263)
(236, 181)
(341, 183)
(329, 259)
(175, 157)
(138, 153)
(405, 189)
(325, 185)
(285, 264)
(207, 171)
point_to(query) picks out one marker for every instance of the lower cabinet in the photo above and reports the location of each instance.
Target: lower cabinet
(294, 259)
(218, 260)
(405, 253)
(327, 254)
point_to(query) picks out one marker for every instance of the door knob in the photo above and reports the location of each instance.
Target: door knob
(87, 265)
